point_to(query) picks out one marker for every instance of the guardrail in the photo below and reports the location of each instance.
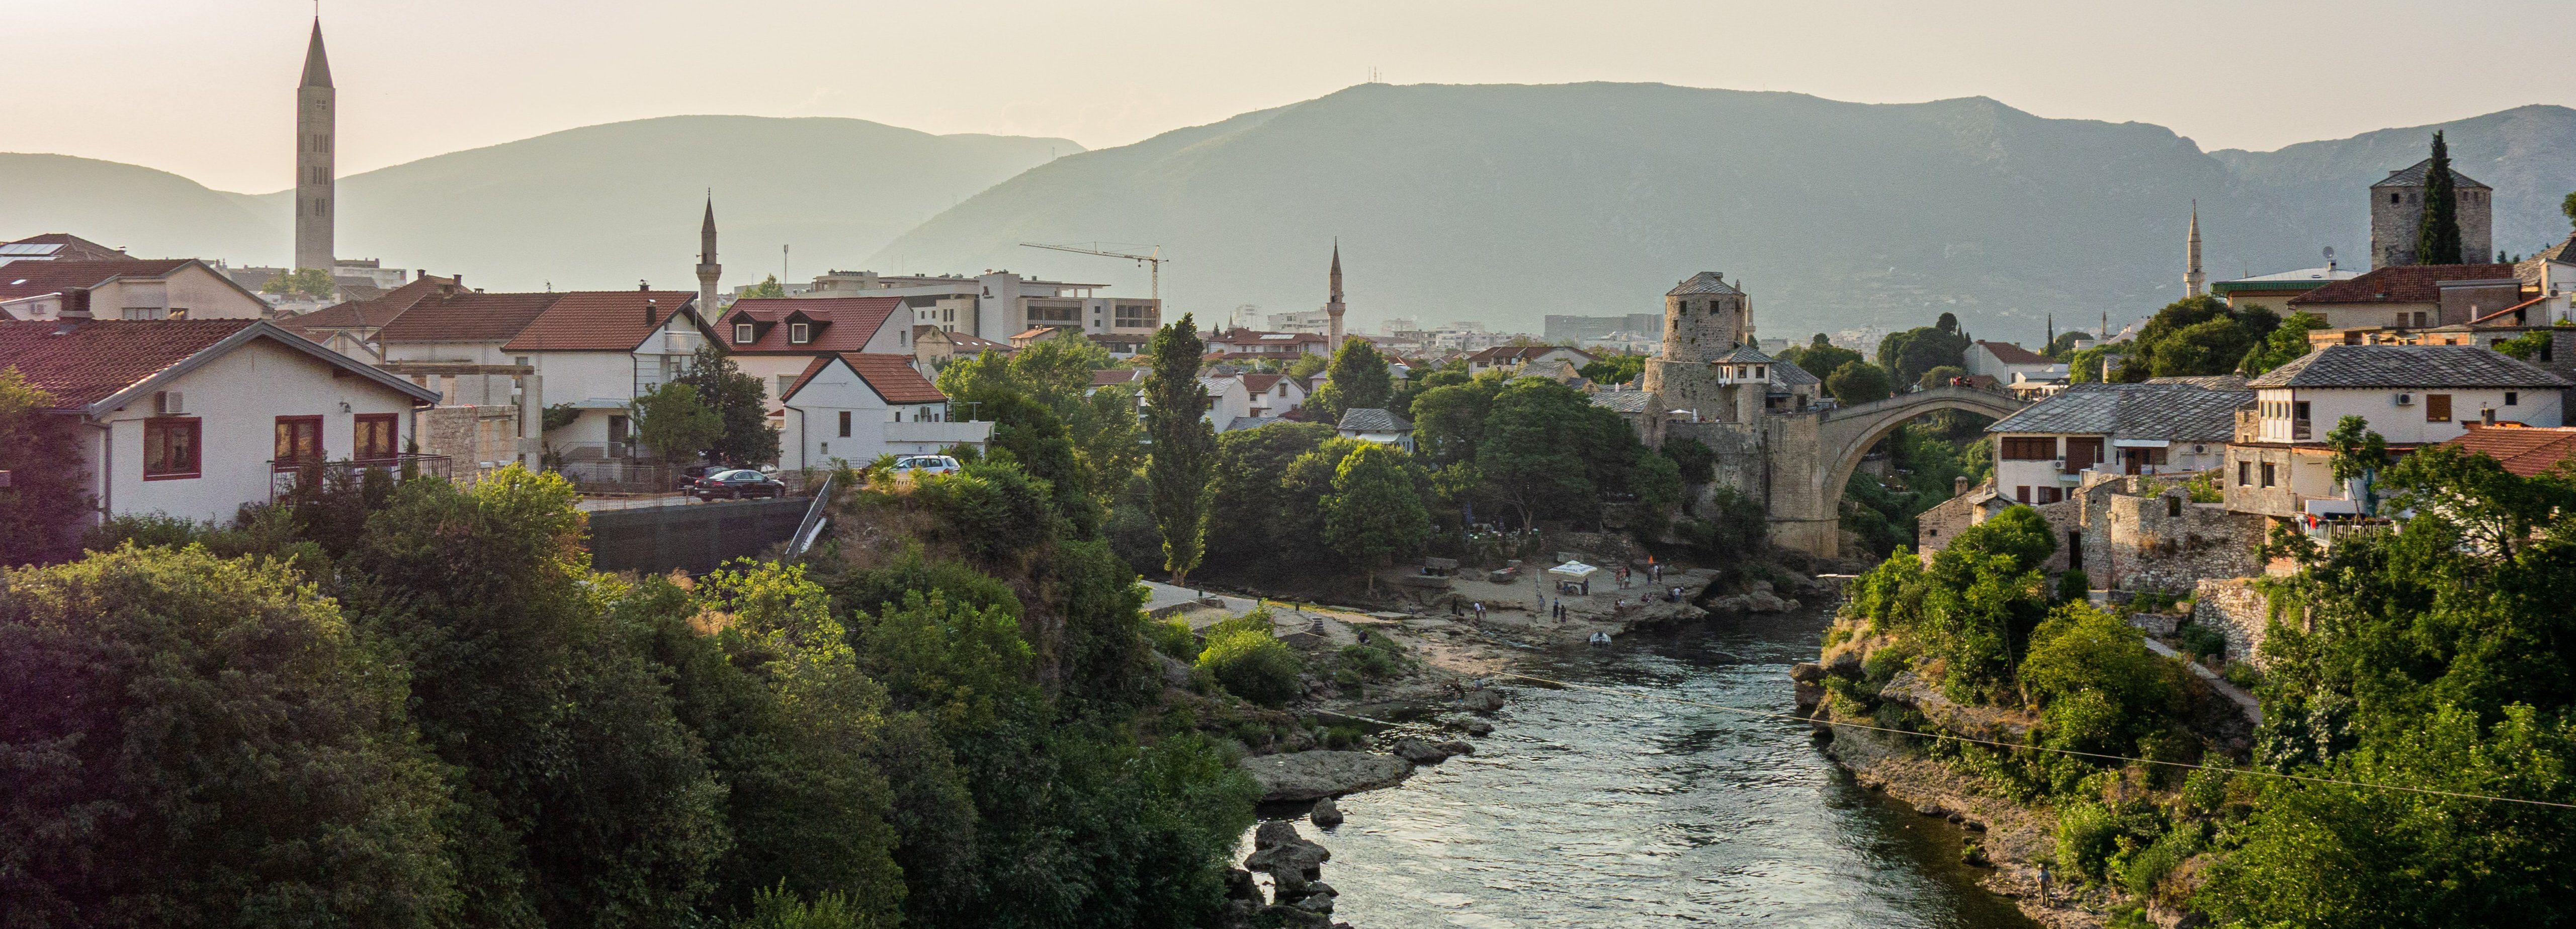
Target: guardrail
(812, 527)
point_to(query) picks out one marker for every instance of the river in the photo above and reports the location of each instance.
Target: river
(1591, 809)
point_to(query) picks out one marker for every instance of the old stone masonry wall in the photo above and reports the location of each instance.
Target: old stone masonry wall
(2237, 609)
(2167, 543)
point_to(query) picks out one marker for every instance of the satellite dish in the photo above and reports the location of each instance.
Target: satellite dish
(2329, 253)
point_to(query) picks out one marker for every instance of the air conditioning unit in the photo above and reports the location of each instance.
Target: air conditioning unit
(169, 403)
(2405, 399)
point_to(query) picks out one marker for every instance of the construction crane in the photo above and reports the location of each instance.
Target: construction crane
(1155, 260)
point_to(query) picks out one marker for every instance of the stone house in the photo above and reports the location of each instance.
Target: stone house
(2412, 395)
(2045, 451)
(2125, 532)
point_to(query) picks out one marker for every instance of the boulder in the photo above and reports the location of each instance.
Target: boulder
(1176, 673)
(1318, 774)
(1846, 663)
(1239, 885)
(1807, 672)
(1481, 700)
(1289, 917)
(1418, 751)
(1479, 728)
(1326, 813)
(1455, 747)
(1275, 833)
(1299, 859)
(1810, 696)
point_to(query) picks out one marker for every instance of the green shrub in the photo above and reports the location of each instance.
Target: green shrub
(780, 909)
(1371, 662)
(2147, 867)
(2074, 587)
(2087, 835)
(1882, 665)
(2197, 639)
(2243, 675)
(1175, 639)
(1251, 663)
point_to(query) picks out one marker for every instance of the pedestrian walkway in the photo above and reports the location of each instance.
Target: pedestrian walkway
(1161, 596)
(2253, 708)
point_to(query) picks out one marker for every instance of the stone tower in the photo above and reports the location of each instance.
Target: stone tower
(2194, 283)
(1705, 319)
(2397, 208)
(315, 202)
(708, 269)
(1333, 303)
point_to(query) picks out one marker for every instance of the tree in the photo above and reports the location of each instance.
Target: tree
(193, 741)
(2286, 344)
(1250, 504)
(767, 288)
(44, 505)
(2568, 206)
(673, 422)
(1906, 355)
(1184, 445)
(2528, 344)
(1449, 420)
(309, 283)
(1308, 364)
(1857, 382)
(1534, 447)
(1374, 515)
(2064, 345)
(741, 407)
(1357, 379)
(1615, 369)
(2359, 454)
(2437, 234)
(1820, 356)
(2019, 533)
(1940, 376)
(2194, 336)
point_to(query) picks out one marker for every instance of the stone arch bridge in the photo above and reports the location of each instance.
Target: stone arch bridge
(1811, 456)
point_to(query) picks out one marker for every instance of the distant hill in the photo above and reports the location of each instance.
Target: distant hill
(1504, 203)
(153, 214)
(601, 206)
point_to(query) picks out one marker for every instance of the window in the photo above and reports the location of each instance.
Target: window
(799, 333)
(2173, 506)
(845, 424)
(375, 439)
(2299, 410)
(2268, 474)
(2029, 448)
(2392, 198)
(170, 448)
(2244, 474)
(299, 439)
(2510, 397)
(743, 333)
(2022, 494)
(2437, 408)
(1054, 313)
(1137, 316)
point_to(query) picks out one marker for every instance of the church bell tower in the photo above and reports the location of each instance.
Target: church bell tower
(316, 200)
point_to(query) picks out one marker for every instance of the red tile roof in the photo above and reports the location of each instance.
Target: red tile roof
(84, 364)
(842, 324)
(30, 278)
(1110, 376)
(2527, 451)
(2401, 284)
(463, 316)
(1260, 383)
(2011, 354)
(595, 321)
(891, 376)
(74, 248)
(377, 313)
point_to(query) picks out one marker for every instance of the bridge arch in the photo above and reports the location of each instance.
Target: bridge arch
(1815, 455)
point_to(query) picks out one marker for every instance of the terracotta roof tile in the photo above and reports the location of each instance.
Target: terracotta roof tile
(2529, 451)
(1108, 376)
(843, 324)
(84, 364)
(595, 320)
(891, 376)
(74, 248)
(2011, 354)
(377, 313)
(2401, 284)
(30, 278)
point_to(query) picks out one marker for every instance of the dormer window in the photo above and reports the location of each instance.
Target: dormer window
(799, 333)
(742, 333)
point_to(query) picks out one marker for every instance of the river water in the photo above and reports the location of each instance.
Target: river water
(1591, 809)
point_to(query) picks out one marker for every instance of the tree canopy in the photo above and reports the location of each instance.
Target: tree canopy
(1184, 445)
(2194, 336)
(1906, 355)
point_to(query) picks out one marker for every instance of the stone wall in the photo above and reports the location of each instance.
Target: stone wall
(2167, 543)
(2238, 610)
(1740, 463)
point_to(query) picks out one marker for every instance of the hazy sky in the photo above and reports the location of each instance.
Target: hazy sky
(204, 87)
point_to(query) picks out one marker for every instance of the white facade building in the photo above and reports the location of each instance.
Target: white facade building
(849, 408)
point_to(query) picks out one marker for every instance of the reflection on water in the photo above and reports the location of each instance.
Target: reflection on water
(1588, 809)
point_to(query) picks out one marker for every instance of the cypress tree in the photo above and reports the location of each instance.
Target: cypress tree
(1184, 457)
(2437, 235)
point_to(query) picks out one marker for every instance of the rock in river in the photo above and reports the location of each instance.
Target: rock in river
(1318, 774)
(1326, 813)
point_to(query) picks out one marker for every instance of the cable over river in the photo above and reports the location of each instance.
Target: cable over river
(1591, 809)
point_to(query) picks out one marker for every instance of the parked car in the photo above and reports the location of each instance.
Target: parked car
(689, 476)
(738, 484)
(928, 464)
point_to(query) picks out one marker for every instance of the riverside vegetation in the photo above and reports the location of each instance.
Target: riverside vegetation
(2432, 657)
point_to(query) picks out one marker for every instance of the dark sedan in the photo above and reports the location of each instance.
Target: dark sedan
(738, 484)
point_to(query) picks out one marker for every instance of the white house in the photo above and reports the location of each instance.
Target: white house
(851, 407)
(195, 418)
(777, 339)
(2412, 395)
(2007, 363)
(1515, 357)
(1273, 394)
(597, 351)
(2042, 452)
(1228, 400)
(1369, 424)
(121, 288)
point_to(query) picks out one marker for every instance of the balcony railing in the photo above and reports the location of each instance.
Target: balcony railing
(285, 475)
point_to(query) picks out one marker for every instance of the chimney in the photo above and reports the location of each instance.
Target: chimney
(1959, 486)
(2486, 417)
(75, 303)
(650, 317)
(447, 288)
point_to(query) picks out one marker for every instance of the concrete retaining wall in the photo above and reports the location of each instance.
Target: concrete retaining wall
(693, 538)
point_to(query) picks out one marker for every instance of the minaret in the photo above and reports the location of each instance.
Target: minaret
(708, 269)
(1333, 305)
(2193, 282)
(315, 202)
